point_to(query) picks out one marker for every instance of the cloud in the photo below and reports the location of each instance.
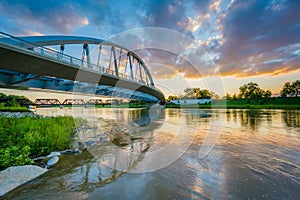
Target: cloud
(258, 37)
(192, 63)
(56, 16)
(244, 38)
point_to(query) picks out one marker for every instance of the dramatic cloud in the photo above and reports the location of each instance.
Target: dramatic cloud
(260, 37)
(243, 37)
(53, 16)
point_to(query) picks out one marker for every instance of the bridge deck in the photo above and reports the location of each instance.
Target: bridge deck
(29, 62)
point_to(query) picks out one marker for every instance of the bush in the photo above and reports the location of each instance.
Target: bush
(15, 155)
(29, 137)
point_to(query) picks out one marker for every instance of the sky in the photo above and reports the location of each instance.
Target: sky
(233, 41)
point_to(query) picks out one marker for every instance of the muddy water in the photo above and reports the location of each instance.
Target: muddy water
(177, 154)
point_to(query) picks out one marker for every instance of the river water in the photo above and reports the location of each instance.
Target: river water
(177, 154)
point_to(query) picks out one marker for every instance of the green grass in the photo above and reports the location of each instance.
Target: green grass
(272, 103)
(14, 109)
(27, 137)
(14, 87)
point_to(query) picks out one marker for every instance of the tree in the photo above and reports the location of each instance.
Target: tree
(204, 93)
(251, 90)
(196, 93)
(189, 93)
(213, 95)
(292, 89)
(295, 88)
(286, 89)
(172, 98)
(234, 97)
(228, 96)
(12, 103)
(267, 94)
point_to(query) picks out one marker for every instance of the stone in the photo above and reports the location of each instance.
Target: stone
(53, 161)
(52, 154)
(71, 151)
(13, 177)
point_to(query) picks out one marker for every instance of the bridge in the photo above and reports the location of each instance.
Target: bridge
(56, 102)
(112, 70)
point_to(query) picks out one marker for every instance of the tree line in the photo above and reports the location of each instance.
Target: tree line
(250, 91)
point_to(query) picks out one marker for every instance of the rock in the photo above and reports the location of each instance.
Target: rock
(91, 143)
(103, 138)
(13, 177)
(18, 114)
(52, 154)
(71, 151)
(53, 161)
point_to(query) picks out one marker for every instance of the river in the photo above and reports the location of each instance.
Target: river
(177, 154)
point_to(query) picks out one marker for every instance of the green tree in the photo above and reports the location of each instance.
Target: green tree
(228, 96)
(12, 103)
(286, 89)
(291, 88)
(189, 93)
(198, 93)
(295, 88)
(204, 93)
(172, 98)
(234, 96)
(250, 90)
(213, 95)
(267, 94)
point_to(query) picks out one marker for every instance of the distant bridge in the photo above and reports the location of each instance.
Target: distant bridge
(56, 102)
(115, 71)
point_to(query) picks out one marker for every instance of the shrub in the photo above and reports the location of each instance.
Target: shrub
(25, 137)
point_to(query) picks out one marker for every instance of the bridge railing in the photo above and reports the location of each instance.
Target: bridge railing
(57, 56)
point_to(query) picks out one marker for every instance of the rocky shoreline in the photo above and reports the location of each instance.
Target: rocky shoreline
(18, 114)
(85, 138)
(15, 176)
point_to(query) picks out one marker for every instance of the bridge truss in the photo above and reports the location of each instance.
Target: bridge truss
(112, 70)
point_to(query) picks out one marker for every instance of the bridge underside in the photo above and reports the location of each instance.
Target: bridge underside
(19, 68)
(13, 78)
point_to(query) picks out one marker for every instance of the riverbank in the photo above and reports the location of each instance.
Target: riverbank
(14, 109)
(28, 141)
(24, 137)
(272, 103)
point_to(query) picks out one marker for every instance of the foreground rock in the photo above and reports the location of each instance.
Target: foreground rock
(13, 177)
(53, 161)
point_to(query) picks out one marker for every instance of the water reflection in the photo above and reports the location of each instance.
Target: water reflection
(143, 117)
(256, 156)
(252, 118)
(291, 118)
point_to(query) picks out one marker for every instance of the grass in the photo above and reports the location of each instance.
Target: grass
(14, 87)
(14, 109)
(272, 103)
(25, 138)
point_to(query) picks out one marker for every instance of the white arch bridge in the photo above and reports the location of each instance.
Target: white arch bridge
(109, 70)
